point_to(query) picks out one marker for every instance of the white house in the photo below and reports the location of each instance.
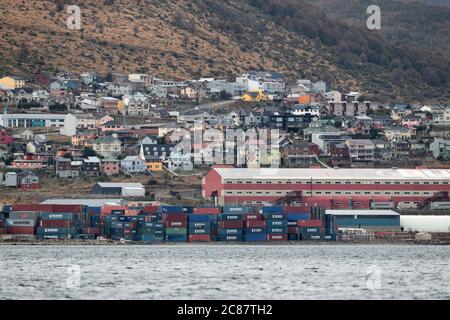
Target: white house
(133, 164)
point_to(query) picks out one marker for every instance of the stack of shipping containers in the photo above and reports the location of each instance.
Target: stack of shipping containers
(276, 223)
(22, 225)
(61, 225)
(175, 222)
(231, 223)
(202, 225)
(165, 223)
(254, 227)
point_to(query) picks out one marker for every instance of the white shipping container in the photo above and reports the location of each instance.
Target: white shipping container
(433, 224)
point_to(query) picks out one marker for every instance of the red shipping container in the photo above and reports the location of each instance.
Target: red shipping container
(231, 224)
(132, 213)
(253, 216)
(21, 230)
(3, 231)
(56, 223)
(32, 207)
(106, 210)
(255, 223)
(2, 223)
(293, 230)
(277, 237)
(199, 238)
(175, 224)
(207, 210)
(310, 223)
(95, 231)
(150, 210)
(175, 217)
(67, 208)
(292, 209)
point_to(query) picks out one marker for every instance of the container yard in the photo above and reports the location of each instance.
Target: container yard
(146, 223)
(150, 223)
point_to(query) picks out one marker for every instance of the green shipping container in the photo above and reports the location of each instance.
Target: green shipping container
(176, 231)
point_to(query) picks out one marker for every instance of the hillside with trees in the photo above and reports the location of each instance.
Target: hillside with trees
(191, 38)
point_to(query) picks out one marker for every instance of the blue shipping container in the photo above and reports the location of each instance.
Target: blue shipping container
(224, 217)
(176, 238)
(58, 216)
(276, 223)
(222, 237)
(225, 231)
(254, 230)
(298, 216)
(240, 209)
(274, 216)
(255, 237)
(276, 210)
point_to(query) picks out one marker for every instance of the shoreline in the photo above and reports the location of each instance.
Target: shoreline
(50, 243)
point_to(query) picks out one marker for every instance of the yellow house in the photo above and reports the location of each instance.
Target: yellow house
(11, 83)
(255, 96)
(153, 163)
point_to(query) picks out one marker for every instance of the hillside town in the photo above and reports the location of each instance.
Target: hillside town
(95, 128)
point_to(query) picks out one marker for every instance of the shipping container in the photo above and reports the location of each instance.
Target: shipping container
(232, 224)
(176, 231)
(21, 230)
(175, 217)
(276, 223)
(311, 237)
(20, 223)
(150, 238)
(56, 223)
(201, 218)
(150, 209)
(330, 237)
(252, 216)
(3, 230)
(200, 225)
(274, 216)
(199, 238)
(24, 215)
(222, 237)
(199, 231)
(58, 216)
(176, 237)
(277, 230)
(23, 237)
(240, 209)
(223, 231)
(293, 237)
(228, 216)
(255, 224)
(175, 224)
(298, 216)
(254, 230)
(275, 210)
(207, 210)
(172, 209)
(310, 229)
(253, 237)
(293, 230)
(277, 237)
(310, 223)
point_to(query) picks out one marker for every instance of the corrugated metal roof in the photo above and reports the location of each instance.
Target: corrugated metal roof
(335, 174)
(362, 212)
(120, 185)
(83, 202)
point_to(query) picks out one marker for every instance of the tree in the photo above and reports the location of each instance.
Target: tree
(89, 152)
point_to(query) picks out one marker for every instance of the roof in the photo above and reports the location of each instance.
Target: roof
(335, 174)
(362, 213)
(43, 116)
(120, 185)
(83, 202)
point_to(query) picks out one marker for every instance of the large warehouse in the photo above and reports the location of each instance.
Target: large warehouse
(327, 188)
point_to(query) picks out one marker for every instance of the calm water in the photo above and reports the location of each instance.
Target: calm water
(225, 272)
